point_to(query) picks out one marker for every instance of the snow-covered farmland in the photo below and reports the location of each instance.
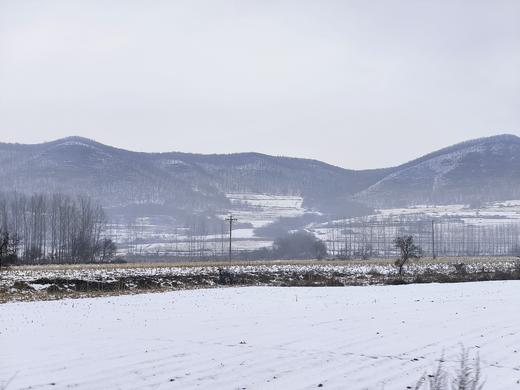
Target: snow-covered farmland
(377, 337)
(57, 282)
(262, 209)
(258, 210)
(159, 235)
(488, 213)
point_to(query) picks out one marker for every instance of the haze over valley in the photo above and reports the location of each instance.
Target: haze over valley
(154, 201)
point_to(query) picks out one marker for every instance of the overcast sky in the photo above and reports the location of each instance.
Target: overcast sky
(360, 84)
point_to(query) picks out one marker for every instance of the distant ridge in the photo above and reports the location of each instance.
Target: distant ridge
(183, 184)
(175, 183)
(478, 170)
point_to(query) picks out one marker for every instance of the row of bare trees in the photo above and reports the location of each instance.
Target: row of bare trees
(55, 228)
(201, 237)
(368, 238)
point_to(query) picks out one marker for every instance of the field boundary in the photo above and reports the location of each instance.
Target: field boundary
(28, 283)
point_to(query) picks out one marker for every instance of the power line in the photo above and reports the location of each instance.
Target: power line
(230, 219)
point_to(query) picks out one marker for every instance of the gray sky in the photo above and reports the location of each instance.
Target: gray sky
(360, 84)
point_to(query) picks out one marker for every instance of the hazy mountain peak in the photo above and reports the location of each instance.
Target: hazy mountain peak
(475, 170)
(479, 169)
(78, 141)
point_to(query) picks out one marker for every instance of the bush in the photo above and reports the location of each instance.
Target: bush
(466, 377)
(299, 245)
(460, 268)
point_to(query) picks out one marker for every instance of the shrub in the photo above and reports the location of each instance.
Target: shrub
(407, 250)
(299, 245)
(466, 377)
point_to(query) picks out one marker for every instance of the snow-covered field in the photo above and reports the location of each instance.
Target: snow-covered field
(257, 210)
(262, 209)
(378, 337)
(72, 281)
(158, 235)
(488, 213)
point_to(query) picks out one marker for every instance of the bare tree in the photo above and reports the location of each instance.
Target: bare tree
(54, 228)
(408, 250)
(108, 250)
(8, 247)
(4, 242)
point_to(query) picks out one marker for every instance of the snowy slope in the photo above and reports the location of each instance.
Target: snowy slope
(262, 338)
(180, 184)
(484, 169)
(175, 184)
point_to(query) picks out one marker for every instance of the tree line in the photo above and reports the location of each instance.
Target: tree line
(53, 228)
(370, 238)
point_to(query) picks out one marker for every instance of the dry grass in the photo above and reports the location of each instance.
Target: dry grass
(18, 297)
(188, 264)
(21, 283)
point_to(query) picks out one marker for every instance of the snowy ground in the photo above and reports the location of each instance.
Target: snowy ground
(158, 236)
(257, 210)
(62, 281)
(488, 213)
(262, 209)
(379, 337)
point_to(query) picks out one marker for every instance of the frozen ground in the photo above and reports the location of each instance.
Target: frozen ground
(488, 213)
(62, 281)
(158, 236)
(257, 210)
(378, 337)
(262, 209)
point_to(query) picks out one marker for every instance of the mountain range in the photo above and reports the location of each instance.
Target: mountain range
(136, 183)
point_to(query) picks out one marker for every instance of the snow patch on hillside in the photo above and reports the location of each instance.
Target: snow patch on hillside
(262, 209)
(489, 213)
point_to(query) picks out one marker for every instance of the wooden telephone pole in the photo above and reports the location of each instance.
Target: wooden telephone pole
(230, 219)
(433, 239)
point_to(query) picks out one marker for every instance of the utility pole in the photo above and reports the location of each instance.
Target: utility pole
(230, 219)
(433, 239)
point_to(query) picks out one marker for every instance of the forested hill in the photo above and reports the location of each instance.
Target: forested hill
(479, 170)
(174, 183)
(186, 184)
